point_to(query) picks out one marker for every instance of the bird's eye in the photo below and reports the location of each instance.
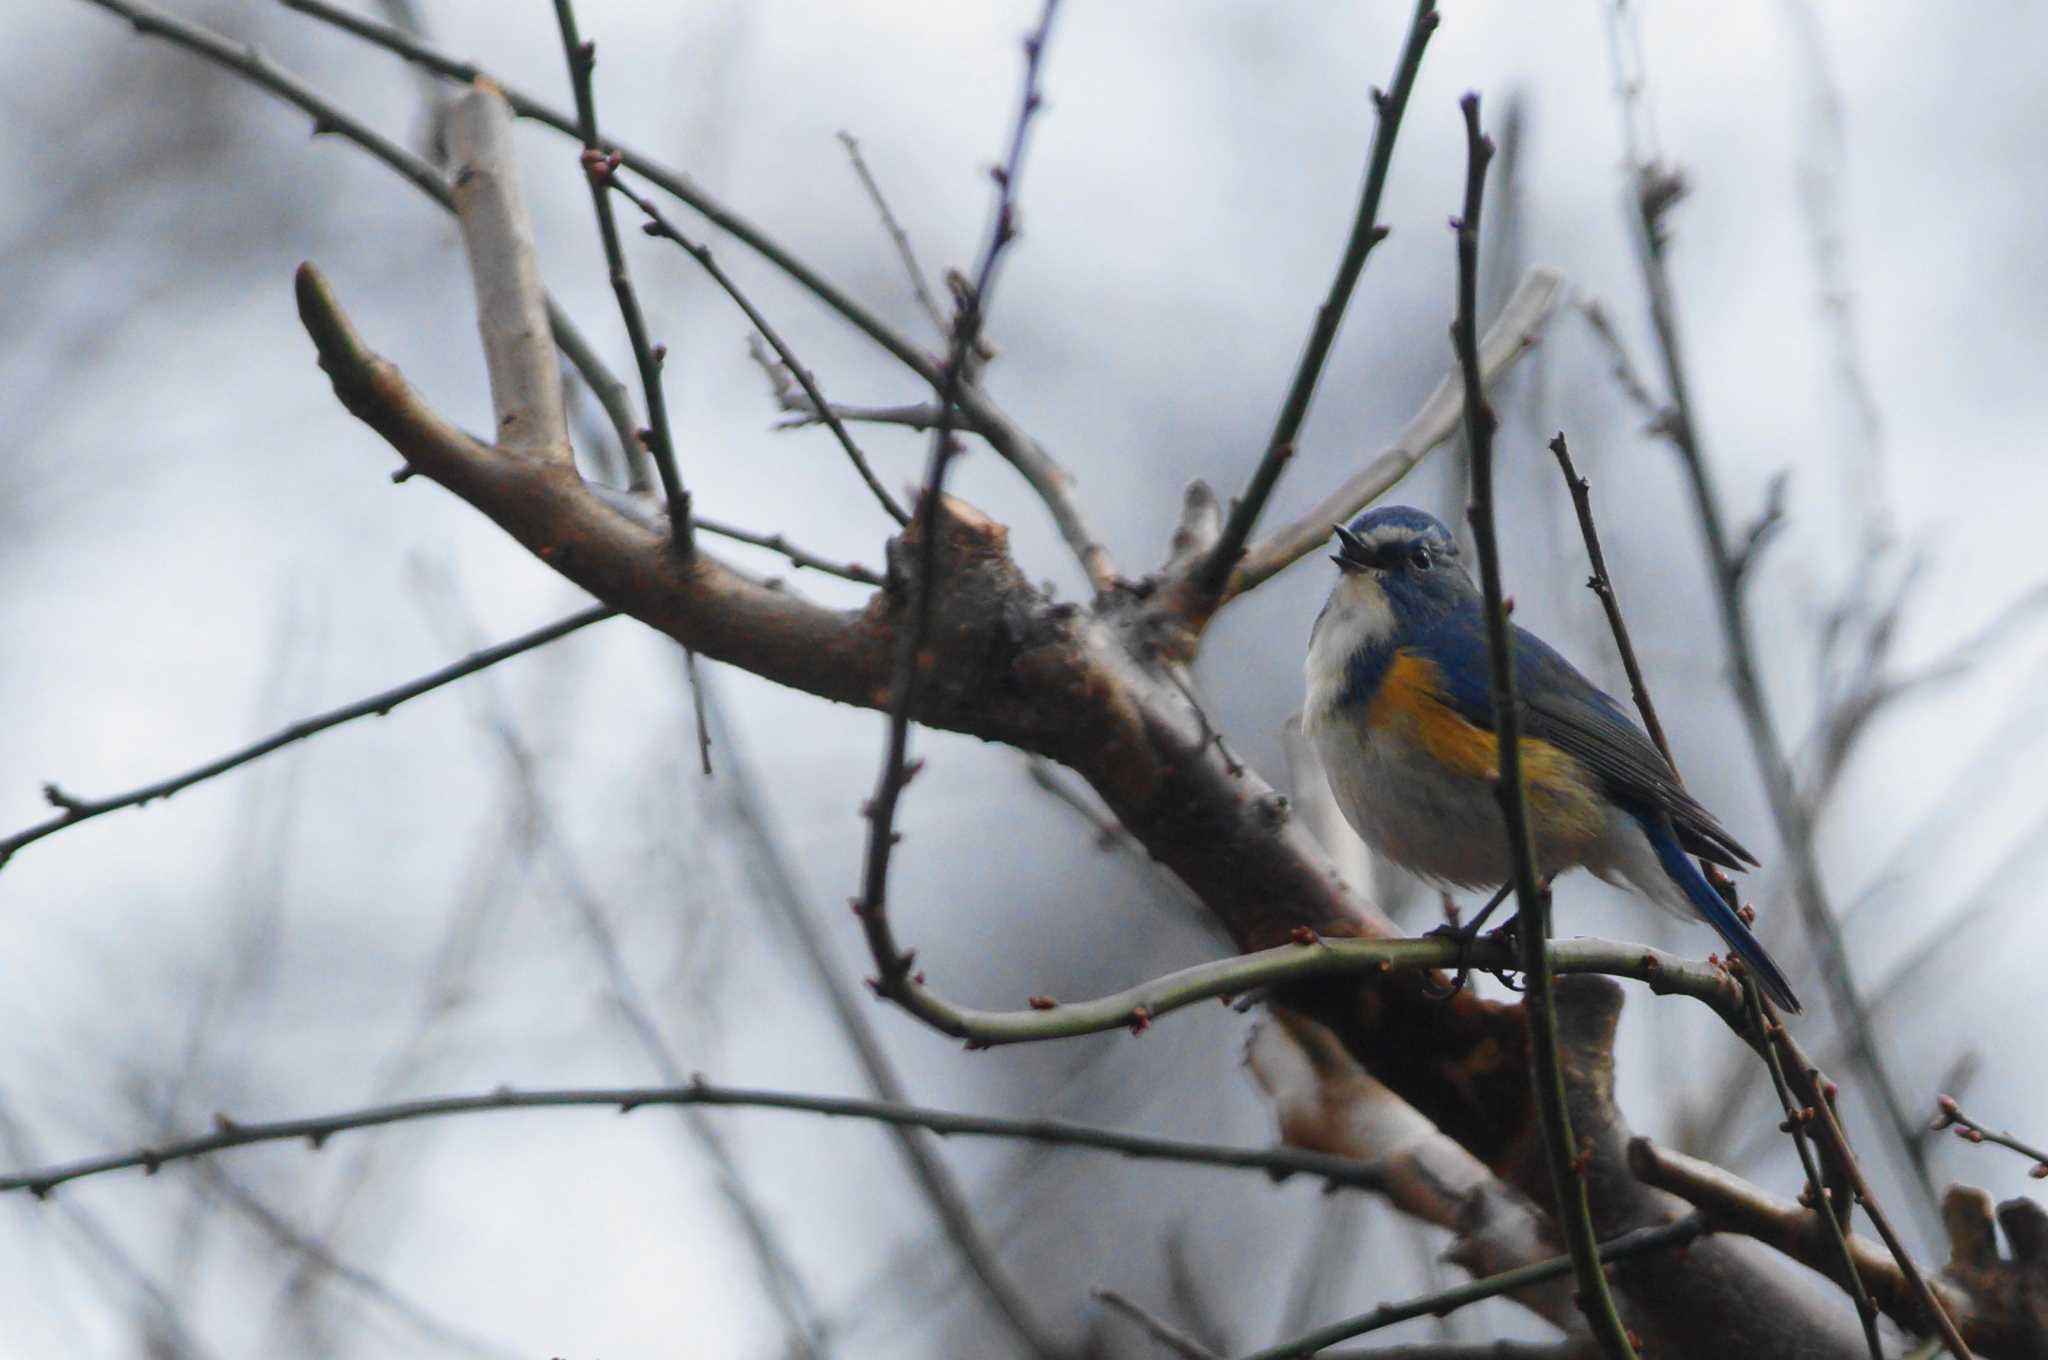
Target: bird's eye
(1420, 556)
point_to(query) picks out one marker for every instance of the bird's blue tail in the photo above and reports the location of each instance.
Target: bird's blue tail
(1717, 914)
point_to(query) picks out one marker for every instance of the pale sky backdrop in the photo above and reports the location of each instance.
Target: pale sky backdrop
(197, 545)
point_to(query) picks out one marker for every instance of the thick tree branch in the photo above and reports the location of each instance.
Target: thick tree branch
(2008, 1294)
(545, 506)
(1724, 1296)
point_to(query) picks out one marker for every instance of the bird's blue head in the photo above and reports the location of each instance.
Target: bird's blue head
(1409, 558)
(1398, 569)
(1395, 540)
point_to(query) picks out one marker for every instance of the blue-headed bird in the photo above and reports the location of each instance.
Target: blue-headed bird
(1400, 712)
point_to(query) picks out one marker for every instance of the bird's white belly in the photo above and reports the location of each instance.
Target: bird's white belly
(1399, 800)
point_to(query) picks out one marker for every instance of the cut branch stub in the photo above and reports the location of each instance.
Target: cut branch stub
(2007, 1309)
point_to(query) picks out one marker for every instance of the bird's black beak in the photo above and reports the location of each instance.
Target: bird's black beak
(1352, 552)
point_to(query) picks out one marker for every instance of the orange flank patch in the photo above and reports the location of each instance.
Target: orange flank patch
(1563, 805)
(1409, 704)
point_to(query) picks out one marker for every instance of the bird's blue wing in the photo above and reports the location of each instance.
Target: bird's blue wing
(1562, 707)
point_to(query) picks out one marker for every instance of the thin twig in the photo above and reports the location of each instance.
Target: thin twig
(1970, 1131)
(1656, 189)
(802, 412)
(1632, 1243)
(1177, 675)
(914, 415)
(76, 810)
(1160, 1330)
(2001, 889)
(1532, 898)
(1819, 1095)
(1823, 157)
(1366, 232)
(158, 1318)
(897, 235)
(1103, 829)
(1602, 585)
(892, 962)
(1135, 1008)
(1622, 367)
(1470, 1350)
(598, 167)
(1762, 531)
(1051, 482)
(317, 1129)
(691, 678)
(658, 224)
(1331, 1254)
(1834, 1216)
(845, 571)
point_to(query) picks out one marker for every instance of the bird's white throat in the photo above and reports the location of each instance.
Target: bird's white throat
(1357, 615)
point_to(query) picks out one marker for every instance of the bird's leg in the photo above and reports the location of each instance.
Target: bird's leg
(1465, 935)
(1492, 905)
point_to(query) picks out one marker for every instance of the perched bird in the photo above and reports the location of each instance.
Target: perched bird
(1400, 713)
